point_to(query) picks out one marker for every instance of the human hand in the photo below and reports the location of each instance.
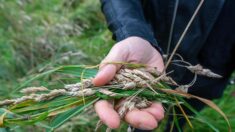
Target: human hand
(132, 50)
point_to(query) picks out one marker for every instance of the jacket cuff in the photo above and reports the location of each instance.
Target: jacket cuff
(137, 29)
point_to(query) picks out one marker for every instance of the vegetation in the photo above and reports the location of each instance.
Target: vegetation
(39, 35)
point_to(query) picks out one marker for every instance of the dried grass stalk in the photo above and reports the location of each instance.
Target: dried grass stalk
(198, 69)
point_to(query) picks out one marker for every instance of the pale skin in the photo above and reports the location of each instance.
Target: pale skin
(132, 50)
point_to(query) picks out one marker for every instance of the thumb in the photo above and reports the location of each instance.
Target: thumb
(108, 71)
(105, 75)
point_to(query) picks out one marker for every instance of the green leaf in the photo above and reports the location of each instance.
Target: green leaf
(62, 118)
(75, 70)
(34, 77)
(59, 101)
(78, 70)
(175, 119)
(201, 118)
(22, 122)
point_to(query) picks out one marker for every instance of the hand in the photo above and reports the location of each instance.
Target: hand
(132, 50)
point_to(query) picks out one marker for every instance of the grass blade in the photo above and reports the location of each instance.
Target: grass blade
(62, 118)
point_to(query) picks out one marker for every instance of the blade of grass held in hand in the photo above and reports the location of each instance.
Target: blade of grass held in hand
(82, 94)
(62, 118)
(186, 117)
(206, 101)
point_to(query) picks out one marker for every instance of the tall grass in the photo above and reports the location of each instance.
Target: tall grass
(36, 34)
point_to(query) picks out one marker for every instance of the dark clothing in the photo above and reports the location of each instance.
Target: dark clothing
(210, 40)
(218, 52)
(151, 19)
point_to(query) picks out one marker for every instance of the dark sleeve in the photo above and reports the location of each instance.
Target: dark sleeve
(125, 18)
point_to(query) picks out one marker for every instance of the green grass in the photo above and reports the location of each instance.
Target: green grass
(226, 103)
(36, 35)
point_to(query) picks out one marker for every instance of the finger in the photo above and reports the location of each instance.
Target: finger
(141, 119)
(107, 114)
(157, 61)
(156, 110)
(108, 71)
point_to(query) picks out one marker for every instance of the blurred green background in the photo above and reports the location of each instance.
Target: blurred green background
(39, 34)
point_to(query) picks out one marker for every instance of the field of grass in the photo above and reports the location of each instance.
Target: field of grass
(39, 34)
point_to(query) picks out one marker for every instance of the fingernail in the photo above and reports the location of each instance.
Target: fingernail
(145, 127)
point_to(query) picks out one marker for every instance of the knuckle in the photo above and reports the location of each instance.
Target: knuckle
(161, 116)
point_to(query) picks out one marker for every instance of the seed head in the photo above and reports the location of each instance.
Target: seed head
(84, 92)
(107, 92)
(7, 102)
(198, 69)
(31, 90)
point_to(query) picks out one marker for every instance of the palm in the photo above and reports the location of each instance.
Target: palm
(134, 50)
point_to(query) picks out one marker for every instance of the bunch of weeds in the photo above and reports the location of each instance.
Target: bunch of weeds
(37, 35)
(50, 108)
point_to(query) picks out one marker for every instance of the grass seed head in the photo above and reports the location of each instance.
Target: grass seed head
(129, 85)
(54, 93)
(86, 83)
(24, 98)
(84, 92)
(183, 88)
(30, 90)
(143, 74)
(198, 69)
(7, 102)
(107, 92)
